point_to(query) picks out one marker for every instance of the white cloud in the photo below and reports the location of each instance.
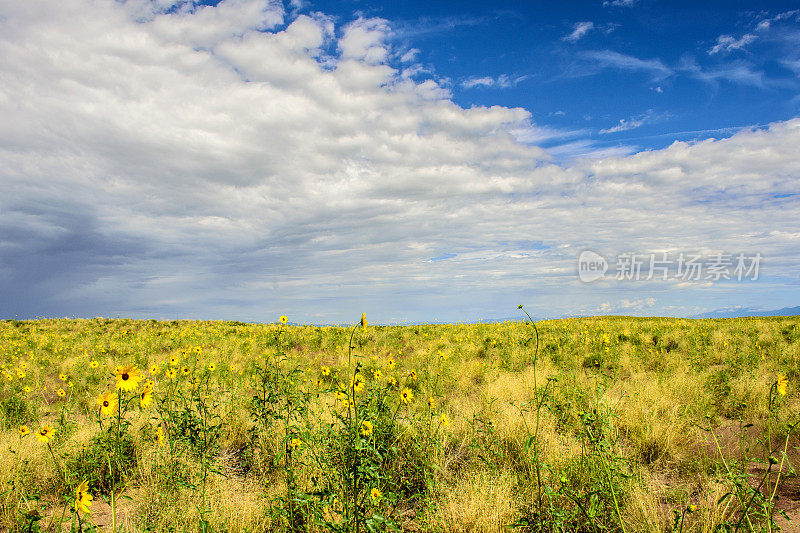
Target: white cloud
(728, 43)
(620, 3)
(610, 59)
(631, 123)
(365, 40)
(503, 81)
(578, 30)
(229, 169)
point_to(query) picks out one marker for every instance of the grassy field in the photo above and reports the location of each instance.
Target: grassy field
(596, 424)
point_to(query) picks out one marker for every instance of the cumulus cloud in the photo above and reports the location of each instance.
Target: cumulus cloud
(234, 162)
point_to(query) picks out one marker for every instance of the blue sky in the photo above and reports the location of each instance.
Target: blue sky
(417, 161)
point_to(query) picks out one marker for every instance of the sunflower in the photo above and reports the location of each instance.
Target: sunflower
(23, 430)
(45, 434)
(295, 443)
(160, 435)
(107, 402)
(27, 389)
(174, 360)
(61, 393)
(154, 369)
(431, 403)
(377, 374)
(445, 421)
(62, 377)
(406, 396)
(326, 370)
(358, 383)
(412, 375)
(212, 367)
(94, 364)
(375, 494)
(284, 319)
(146, 396)
(390, 364)
(366, 428)
(185, 370)
(128, 378)
(82, 498)
(364, 322)
(781, 384)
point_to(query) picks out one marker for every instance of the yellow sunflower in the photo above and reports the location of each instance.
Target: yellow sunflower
(284, 319)
(406, 396)
(358, 383)
(128, 378)
(82, 498)
(146, 397)
(781, 384)
(23, 430)
(366, 428)
(45, 434)
(107, 402)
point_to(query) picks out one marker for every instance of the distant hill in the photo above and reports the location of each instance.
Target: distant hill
(748, 311)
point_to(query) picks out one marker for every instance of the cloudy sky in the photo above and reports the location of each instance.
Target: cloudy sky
(416, 161)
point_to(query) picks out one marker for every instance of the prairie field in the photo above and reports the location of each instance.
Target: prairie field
(594, 424)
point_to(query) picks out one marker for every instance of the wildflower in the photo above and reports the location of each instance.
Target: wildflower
(375, 494)
(154, 369)
(185, 370)
(358, 383)
(160, 435)
(445, 421)
(128, 378)
(27, 389)
(692, 508)
(377, 374)
(781, 384)
(146, 397)
(406, 396)
(284, 319)
(431, 403)
(212, 367)
(295, 443)
(94, 364)
(366, 428)
(172, 373)
(363, 322)
(82, 498)
(412, 375)
(45, 434)
(62, 377)
(391, 381)
(107, 402)
(61, 393)
(326, 371)
(70, 384)
(20, 374)
(174, 360)
(23, 430)
(390, 364)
